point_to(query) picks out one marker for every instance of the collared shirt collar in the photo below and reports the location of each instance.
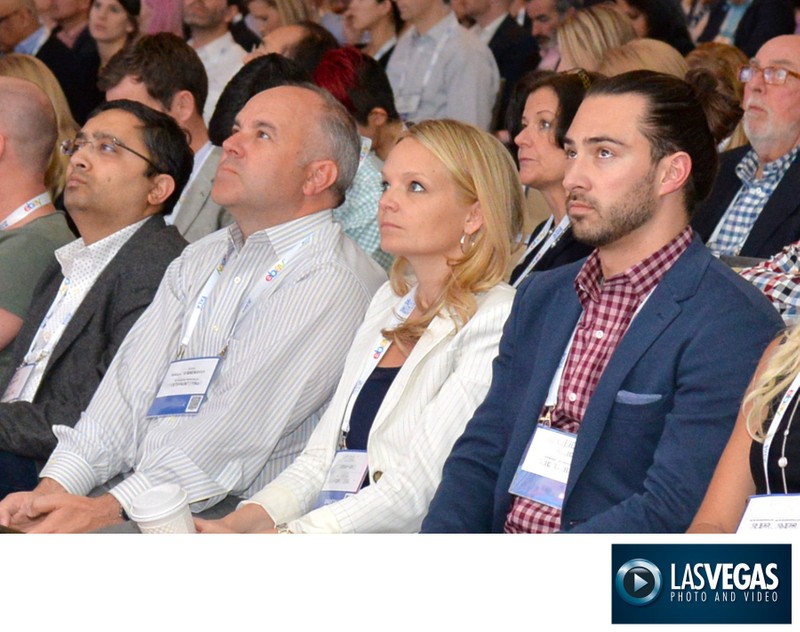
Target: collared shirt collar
(283, 236)
(99, 253)
(486, 34)
(642, 277)
(439, 30)
(772, 172)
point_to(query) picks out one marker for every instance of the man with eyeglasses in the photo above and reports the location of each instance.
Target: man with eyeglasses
(754, 208)
(127, 168)
(221, 381)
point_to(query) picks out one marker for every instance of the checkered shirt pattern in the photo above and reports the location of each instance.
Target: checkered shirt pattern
(779, 280)
(738, 220)
(608, 307)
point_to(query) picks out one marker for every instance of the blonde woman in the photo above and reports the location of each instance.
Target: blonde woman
(643, 54)
(763, 453)
(587, 34)
(270, 14)
(421, 362)
(30, 68)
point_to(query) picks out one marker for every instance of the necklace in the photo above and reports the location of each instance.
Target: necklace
(783, 461)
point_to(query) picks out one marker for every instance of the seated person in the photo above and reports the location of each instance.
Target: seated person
(421, 361)
(762, 455)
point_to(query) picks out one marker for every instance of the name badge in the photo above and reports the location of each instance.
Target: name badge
(18, 382)
(185, 387)
(408, 104)
(771, 512)
(542, 474)
(346, 476)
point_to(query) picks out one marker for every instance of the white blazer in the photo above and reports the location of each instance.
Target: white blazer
(425, 410)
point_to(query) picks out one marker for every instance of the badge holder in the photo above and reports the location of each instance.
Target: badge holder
(185, 387)
(346, 476)
(542, 474)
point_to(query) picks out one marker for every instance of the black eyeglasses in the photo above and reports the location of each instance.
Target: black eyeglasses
(773, 75)
(105, 145)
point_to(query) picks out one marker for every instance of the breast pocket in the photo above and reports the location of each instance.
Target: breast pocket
(638, 407)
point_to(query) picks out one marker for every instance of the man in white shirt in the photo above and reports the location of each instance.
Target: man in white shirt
(164, 72)
(208, 22)
(128, 167)
(261, 316)
(441, 70)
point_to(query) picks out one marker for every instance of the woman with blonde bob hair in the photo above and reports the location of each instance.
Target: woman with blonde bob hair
(763, 453)
(33, 70)
(421, 362)
(585, 36)
(643, 54)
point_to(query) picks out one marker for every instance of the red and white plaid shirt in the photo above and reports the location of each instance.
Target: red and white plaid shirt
(608, 308)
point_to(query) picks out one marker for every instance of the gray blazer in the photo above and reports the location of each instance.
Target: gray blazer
(200, 215)
(80, 359)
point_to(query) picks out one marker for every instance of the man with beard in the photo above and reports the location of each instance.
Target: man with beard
(619, 377)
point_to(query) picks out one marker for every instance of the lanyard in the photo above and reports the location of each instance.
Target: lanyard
(776, 422)
(551, 241)
(400, 313)
(431, 64)
(262, 286)
(26, 209)
(55, 336)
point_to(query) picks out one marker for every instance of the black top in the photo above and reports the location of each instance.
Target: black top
(367, 404)
(566, 250)
(792, 454)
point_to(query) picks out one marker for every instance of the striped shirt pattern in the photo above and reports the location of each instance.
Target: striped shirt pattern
(737, 222)
(609, 306)
(271, 387)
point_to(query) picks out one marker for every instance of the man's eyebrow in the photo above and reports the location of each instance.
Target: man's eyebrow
(270, 127)
(594, 140)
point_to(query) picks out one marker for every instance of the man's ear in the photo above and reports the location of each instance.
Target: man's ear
(182, 107)
(162, 187)
(377, 117)
(675, 171)
(320, 175)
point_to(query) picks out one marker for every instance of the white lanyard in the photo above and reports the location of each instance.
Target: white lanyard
(26, 209)
(55, 336)
(431, 64)
(400, 313)
(551, 241)
(776, 422)
(266, 283)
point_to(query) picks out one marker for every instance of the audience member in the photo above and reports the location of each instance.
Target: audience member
(586, 35)
(30, 227)
(748, 24)
(33, 70)
(515, 51)
(241, 32)
(127, 166)
(266, 350)
(754, 208)
(439, 319)
(162, 16)
(545, 16)
(20, 28)
(349, 74)
(305, 43)
(222, 57)
(113, 24)
(440, 70)
(164, 72)
(549, 109)
(267, 15)
(658, 19)
(723, 61)
(762, 454)
(643, 54)
(614, 350)
(778, 278)
(381, 20)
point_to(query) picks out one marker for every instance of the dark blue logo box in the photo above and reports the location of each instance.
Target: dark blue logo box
(701, 583)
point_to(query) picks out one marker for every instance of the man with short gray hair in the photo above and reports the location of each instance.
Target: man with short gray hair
(220, 383)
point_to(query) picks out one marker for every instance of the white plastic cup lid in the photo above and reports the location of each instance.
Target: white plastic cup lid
(158, 502)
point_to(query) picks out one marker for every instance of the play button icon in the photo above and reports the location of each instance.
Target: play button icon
(638, 582)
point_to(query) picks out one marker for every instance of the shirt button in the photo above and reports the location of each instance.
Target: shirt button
(215, 327)
(572, 397)
(599, 334)
(237, 280)
(377, 476)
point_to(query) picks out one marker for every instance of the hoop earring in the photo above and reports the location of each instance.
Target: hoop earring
(467, 242)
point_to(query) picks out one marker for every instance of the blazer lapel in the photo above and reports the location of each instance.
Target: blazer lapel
(782, 203)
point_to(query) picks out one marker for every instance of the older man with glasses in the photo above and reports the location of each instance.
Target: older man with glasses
(754, 209)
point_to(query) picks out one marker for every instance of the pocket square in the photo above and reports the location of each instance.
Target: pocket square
(637, 399)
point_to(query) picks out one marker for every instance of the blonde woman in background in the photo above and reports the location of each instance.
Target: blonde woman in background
(643, 54)
(30, 68)
(267, 15)
(421, 362)
(587, 34)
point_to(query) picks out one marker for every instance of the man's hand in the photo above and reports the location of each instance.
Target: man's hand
(37, 512)
(15, 508)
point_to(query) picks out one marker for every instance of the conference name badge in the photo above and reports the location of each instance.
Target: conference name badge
(18, 382)
(772, 512)
(542, 474)
(185, 387)
(345, 477)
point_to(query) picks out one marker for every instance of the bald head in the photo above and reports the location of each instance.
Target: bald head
(27, 125)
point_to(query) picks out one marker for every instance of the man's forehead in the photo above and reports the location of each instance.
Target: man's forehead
(114, 122)
(780, 51)
(608, 116)
(281, 106)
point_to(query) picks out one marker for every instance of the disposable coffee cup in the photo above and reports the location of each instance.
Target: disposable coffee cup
(163, 509)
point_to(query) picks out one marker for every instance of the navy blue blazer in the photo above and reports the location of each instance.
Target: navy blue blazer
(657, 423)
(777, 225)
